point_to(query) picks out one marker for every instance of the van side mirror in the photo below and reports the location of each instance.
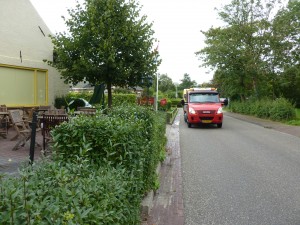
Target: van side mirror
(182, 102)
(226, 101)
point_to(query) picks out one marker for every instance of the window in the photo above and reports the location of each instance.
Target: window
(23, 86)
(204, 97)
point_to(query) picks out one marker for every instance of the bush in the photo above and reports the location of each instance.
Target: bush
(120, 99)
(152, 130)
(171, 115)
(262, 108)
(69, 193)
(130, 136)
(280, 109)
(176, 102)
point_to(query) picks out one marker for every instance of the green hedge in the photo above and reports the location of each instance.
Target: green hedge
(280, 109)
(151, 132)
(120, 99)
(130, 136)
(176, 102)
(100, 170)
(171, 115)
(76, 192)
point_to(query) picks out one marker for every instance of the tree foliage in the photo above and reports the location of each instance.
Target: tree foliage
(256, 49)
(186, 82)
(108, 41)
(165, 83)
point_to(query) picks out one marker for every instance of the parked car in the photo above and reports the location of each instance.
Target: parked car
(79, 102)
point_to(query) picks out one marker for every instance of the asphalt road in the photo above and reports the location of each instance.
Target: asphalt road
(240, 174)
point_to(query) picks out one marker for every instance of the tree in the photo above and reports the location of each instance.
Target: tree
(186, 82)
(286, 38)
(165, 83)
(108, 41)
(241, 50)
(286, 42)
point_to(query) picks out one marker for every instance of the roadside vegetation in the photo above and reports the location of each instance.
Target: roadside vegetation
(255, 56)
(296, 121)
(278, 110)
(99, 171)
(256, 52)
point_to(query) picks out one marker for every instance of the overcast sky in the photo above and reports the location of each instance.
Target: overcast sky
(177, 25)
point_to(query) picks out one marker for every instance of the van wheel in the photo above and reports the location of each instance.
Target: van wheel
(219, 125)
(189, 125)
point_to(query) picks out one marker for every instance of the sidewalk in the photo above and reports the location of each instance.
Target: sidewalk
(11, 160)
(167, 207)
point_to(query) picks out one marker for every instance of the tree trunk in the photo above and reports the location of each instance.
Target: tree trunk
(109, 95)
(254, 83)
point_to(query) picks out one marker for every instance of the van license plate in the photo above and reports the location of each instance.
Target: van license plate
(206, 121)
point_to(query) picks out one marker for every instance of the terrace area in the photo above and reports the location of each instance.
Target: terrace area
(10, 160)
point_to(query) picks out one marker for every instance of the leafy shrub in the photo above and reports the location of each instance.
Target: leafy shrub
(262, 108)
(119, 99)
(176, 102)
(282, 109)
(164, 107)
(84, 94)
(279, 109)
(129, 136)
(153, 129)
(69, 193)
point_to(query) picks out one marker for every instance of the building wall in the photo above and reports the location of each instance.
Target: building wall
(25, 42)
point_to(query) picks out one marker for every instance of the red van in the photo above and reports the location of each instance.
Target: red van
(203, 106)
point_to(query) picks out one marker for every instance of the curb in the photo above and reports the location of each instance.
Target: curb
(166, 205)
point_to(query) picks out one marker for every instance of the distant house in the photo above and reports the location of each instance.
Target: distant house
(25, 79)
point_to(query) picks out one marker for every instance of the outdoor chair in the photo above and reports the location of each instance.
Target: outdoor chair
(48, 123)
(22, 127)
(28, 114)
(3, 121)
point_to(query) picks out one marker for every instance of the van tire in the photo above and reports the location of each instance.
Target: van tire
(219, 125)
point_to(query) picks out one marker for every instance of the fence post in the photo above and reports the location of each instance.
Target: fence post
(33, 134)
